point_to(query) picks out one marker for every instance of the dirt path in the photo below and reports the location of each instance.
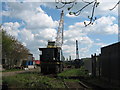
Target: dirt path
(17, 72)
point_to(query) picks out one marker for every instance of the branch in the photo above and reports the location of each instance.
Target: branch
(86, 1)
(92, 19)
(78, 12)
(65, 3)
(115, 5)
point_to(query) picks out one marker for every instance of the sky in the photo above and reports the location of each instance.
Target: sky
(35, 22)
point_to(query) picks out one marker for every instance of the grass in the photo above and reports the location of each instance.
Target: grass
(71, 80)
(32, 80)
(35, 80)
(74, 72)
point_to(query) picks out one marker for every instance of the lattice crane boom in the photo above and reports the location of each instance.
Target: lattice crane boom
(59, 37)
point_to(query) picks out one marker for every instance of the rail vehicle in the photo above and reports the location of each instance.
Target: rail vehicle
(51, 59)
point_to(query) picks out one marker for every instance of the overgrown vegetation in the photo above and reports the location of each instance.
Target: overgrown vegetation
(74, 72)
(32, 80)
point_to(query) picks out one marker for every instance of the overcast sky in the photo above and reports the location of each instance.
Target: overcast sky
(34, 23)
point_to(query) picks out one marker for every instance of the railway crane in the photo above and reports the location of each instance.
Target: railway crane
(52, 57)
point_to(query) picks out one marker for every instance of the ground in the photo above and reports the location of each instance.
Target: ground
(70, 78)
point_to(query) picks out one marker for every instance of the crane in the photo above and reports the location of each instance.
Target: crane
(59, 38)
(52, 57)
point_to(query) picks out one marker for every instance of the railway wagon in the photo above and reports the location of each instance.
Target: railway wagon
(51, 60)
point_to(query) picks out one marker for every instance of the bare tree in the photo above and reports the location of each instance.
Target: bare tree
(71, 4)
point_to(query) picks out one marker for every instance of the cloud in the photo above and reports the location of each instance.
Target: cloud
(98, 39)
(103, 25)
(12, 28)
(26, 35)
(40, 20)
(69, 46)
(100, 44)
(31, 14)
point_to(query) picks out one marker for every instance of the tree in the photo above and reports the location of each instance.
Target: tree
(72, 3)
(21, 52)
(6, 47)
(13, 52)
(0, 47)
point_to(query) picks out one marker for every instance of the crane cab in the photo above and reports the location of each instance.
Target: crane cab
(51, 44)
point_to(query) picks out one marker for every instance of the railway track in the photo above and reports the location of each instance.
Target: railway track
(76, 85)
(84, 85)
(68, 85)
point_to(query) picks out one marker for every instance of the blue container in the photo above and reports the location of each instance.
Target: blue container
(30, 62)
(27, 63)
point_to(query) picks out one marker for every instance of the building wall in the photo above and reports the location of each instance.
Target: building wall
(30, 57)
(110, 62)
(88, 64)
